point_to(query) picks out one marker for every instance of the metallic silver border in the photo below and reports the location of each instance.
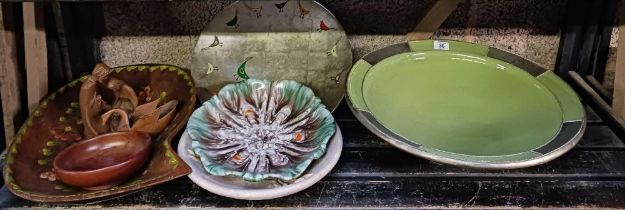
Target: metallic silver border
(528, 66)
(412, 149)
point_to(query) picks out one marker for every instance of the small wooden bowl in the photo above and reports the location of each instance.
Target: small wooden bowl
(103, 161)
(56, 124)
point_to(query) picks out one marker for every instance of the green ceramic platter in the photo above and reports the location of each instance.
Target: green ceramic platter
(465, 104)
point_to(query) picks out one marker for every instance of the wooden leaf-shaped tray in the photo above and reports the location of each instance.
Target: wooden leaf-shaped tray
(56, 122)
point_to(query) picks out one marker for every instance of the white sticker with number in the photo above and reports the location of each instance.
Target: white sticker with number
(440, 45)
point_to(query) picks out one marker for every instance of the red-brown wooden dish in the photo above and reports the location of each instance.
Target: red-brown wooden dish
(103, 161)
(56, 123)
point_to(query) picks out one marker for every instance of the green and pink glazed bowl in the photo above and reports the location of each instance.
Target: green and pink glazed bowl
(259, 130)
(465, 104)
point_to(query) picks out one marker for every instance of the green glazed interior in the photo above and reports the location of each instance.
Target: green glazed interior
(461, 103)
(465, 104)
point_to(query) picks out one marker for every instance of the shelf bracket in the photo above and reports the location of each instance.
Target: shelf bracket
(436, 15)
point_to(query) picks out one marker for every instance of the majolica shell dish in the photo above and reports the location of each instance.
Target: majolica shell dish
(56, 123)
(235, 187)
(259, 130)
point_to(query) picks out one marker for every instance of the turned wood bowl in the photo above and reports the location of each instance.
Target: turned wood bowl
(56, 124)
(103, 161)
